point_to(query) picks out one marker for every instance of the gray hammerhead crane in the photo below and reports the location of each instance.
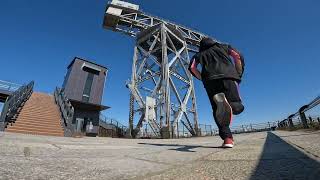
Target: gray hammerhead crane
(161, 87)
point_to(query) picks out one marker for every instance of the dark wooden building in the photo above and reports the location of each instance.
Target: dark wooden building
(83, 86)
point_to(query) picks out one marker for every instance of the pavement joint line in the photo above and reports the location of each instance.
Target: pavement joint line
(304, 150)
(202, 158)
(151, 174)
(148, 175)
(308, 134)
(173, 166)
(158, 162)
(54, 145)
(249, 160)
(27, 151)
(231, 160)
(176, 166)
(225, 149)
(10, 155)
(53, 156)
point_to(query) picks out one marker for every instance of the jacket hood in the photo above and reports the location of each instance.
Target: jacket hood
(206, 43)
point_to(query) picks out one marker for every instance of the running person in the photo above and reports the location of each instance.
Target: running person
(222, 69)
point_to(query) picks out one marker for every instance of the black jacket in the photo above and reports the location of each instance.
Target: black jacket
(216, 61)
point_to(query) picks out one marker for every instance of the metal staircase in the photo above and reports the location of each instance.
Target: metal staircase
(14, 102)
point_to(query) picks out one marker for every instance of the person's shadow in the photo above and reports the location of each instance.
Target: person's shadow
(182, 148)
(280, 160)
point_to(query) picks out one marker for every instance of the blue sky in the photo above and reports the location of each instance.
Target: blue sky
(279, 39)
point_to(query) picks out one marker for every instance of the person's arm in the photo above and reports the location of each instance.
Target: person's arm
(238, 60)
(193, 69)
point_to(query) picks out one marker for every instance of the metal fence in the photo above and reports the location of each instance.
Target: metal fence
(299, 123)
(301, 119)
(254, 127)
(206, 130)
(112, 121)
(308, 116)
(209, 130)
(110, 127)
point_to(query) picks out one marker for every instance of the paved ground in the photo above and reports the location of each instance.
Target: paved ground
(276, 155)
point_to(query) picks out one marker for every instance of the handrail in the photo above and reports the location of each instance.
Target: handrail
(13, 102)
(289, 122)
(8, 86)
(66, 110)
(110, 121)
(118, 127)
(211, 130)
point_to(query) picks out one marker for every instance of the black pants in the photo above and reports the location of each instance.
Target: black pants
(230, 88)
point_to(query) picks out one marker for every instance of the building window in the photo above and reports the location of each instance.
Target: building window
(87, 88)
(91, 70)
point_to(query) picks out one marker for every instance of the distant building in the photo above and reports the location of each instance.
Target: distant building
(83, 86)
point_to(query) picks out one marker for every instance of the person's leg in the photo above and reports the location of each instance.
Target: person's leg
(222, 111)
(224, 131)
(232, 105)
(231, 91)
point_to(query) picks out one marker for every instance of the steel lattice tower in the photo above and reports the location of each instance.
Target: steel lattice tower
(162, 89)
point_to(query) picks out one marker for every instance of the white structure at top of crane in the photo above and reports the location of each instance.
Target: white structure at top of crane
(125, 5)
(128, 18)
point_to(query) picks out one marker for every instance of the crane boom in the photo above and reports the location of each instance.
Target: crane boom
(125, 17)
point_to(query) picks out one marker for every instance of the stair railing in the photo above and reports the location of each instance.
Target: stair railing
(13, 103)
(66, 110)
(108, 123)
(8, 86)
